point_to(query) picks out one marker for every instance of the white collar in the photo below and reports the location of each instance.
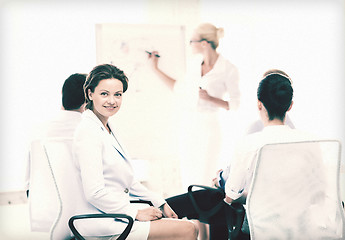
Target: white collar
(91, 115)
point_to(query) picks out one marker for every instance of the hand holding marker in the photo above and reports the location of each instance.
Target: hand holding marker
(150, 53)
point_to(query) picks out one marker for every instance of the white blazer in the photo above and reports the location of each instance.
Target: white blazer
(105, 171)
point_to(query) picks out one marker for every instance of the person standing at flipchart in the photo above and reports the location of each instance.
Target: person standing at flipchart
(211, 85)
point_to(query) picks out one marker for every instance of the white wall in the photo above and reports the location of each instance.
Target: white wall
(43, 43)
(303, 38)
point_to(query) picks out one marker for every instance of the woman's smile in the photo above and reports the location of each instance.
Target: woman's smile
(110, 107)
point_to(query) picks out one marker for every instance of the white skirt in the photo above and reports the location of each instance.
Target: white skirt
(139, 231)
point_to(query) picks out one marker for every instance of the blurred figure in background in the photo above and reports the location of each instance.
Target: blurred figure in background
(210, 85)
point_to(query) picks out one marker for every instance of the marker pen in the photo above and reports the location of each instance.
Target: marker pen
(156, 55)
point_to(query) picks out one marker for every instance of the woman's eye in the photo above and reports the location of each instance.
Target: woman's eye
(118, 94)
(104, 94)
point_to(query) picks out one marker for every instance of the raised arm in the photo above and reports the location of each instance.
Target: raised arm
(169, 81)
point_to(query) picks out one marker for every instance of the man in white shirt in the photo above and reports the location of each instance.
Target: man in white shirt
(66, 121)
(43, 203)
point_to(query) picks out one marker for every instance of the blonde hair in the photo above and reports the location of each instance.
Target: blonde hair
(210, 33)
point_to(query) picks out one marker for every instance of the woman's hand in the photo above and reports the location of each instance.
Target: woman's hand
(149, 214)
(228, 199)
(167, 211)
(153, 59)
(203, 94)
(215, 181)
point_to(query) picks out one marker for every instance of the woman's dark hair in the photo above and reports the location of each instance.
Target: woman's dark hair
(72, 92)
(99, 73)
(275, 92)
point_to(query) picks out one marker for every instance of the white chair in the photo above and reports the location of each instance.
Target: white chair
(72, 205)
(42, 191)
(295, 192)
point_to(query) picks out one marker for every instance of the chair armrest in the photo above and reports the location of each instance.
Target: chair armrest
(123, 235)
(142, 201)
(204, 215)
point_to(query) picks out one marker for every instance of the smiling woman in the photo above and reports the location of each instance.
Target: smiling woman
(106, 172)
(103, 91)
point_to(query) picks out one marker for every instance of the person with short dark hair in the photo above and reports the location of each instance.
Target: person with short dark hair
(62, 125)
(67, 119)
(275, 99)
(256, 126)
(73, 104)
(72, 92)
(275, 94)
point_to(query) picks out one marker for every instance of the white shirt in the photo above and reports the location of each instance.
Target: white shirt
(222, 82)
(62, 125)
(241, 171)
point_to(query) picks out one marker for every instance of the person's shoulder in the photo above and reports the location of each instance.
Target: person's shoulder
(305, 135)
(254, 127)
(228, 67)
(69, 115)
(288, 134)
(226, 62)
(87, 126)
(250, 142)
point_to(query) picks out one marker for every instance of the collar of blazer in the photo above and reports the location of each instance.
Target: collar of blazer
(89, 114)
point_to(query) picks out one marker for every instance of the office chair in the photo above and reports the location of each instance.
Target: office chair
(72, 205)
(42, 191)
(295, 192)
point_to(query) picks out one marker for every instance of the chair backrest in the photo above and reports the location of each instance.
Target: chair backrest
(43, 201)
(68, 188)
(71, 198)
(295, 192)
